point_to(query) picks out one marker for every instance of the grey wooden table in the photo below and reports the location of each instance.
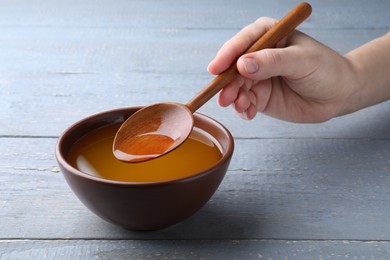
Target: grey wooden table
(314, 191)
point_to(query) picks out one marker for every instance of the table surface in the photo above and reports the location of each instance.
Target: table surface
(314, 191)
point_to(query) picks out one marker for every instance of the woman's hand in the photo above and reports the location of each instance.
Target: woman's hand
(300, 80)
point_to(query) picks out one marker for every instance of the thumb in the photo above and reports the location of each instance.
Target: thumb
(269, 63)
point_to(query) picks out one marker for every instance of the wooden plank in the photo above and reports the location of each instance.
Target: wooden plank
(103, 72)
(274, 189)
(194, 14)
(63, 58)
(193, 249)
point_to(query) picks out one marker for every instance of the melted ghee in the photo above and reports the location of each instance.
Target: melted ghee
(92, 154)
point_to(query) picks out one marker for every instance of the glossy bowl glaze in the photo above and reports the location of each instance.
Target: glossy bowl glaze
(147, 205)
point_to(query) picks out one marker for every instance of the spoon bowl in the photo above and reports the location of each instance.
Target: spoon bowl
(165, 125)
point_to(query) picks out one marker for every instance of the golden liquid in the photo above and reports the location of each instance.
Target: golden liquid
(92, 154)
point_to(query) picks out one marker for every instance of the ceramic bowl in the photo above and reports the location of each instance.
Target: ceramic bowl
(143, 206)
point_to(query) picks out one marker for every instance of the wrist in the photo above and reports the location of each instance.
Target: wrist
(353, 82)
(369, 74)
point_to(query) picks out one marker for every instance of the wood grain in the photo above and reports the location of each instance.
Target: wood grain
(92, 79)
(193, 249)
(92, 64)
(274, 189)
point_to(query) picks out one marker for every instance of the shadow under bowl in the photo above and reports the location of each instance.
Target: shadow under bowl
(146, 205)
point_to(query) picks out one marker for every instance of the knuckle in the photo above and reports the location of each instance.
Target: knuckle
(271, 57)
(266, 22)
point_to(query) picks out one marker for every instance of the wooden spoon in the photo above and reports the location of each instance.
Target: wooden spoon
(158, 129)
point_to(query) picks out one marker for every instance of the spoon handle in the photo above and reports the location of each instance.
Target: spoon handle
(268, 40)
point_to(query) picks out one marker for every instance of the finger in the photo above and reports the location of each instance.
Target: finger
(237, 45)
(243, 101)
(267, 63)
(262, 94)
(251, 111)
(229, 93)
(258, 96)
(249, 114)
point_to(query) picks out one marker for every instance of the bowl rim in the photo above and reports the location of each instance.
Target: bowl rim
(70, 169)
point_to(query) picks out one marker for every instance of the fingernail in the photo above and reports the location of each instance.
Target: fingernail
(208, 67)
(244, 115)
(250, 65)
(210, 64)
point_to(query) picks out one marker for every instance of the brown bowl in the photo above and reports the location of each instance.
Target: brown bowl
(143, 206)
